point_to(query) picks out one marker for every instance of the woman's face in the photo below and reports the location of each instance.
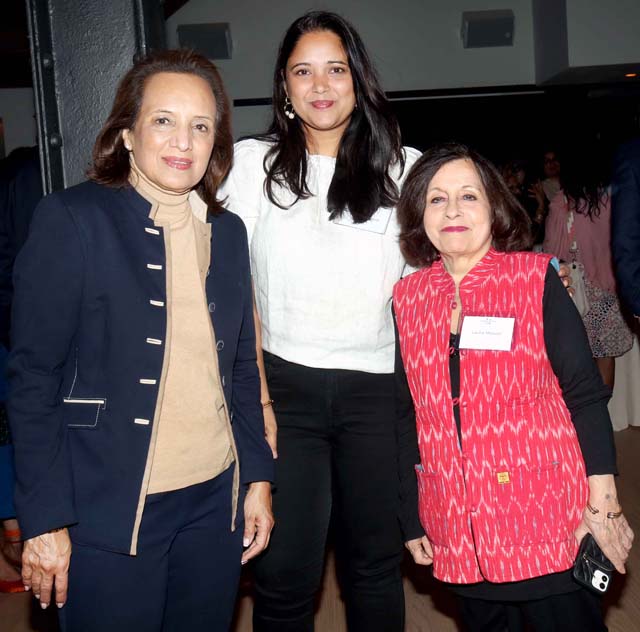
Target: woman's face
(319, 83)
(551, 165)
(173, 135)
(457, 216)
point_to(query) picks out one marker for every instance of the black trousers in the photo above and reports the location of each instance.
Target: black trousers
(185, 576)
(578, 611)
(337, 453)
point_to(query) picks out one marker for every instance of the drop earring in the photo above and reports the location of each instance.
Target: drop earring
(288, 109)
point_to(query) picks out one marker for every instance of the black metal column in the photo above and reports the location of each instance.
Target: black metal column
(79, 50)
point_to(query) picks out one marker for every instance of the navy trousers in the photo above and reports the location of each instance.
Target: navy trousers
(184, 577)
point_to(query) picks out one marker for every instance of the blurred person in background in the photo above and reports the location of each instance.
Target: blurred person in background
(551, 171)
(578, 229)
(626, 222)
(530, 193)
(20, 192)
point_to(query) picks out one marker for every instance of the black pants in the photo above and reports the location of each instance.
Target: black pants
(337, 452)
(578, 611)
(185, 576)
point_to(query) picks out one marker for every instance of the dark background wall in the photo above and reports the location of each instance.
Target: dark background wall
(516, 125)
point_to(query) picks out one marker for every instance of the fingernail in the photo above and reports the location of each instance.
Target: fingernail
(246, 542)
(59, 605)
(243, 562)
(44, 606)
(37, 596)
(27, 588)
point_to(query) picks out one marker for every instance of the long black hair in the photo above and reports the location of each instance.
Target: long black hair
(369, 146)
(585, 179)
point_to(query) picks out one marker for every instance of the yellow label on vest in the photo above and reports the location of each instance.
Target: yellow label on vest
(503, 477)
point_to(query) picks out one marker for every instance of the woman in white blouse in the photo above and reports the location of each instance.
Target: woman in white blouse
(317, 194)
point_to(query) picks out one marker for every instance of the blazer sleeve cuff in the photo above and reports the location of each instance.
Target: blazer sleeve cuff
(259, 471)
(43, 515)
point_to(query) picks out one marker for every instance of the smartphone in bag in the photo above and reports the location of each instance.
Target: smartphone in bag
(592, 569)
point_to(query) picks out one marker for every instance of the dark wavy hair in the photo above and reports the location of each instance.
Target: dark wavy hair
(584, 180)
(510, 224)
(369, 147)
(111, 158)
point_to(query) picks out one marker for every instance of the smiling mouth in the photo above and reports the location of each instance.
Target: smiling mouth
(322, 105)
(178, 163)
(454, 229)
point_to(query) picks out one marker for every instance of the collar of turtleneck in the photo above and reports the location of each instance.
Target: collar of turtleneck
(167, 207)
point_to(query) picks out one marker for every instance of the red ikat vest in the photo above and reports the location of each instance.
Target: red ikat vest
(505, 506)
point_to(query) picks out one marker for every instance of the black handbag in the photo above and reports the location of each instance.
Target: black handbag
(592, 569)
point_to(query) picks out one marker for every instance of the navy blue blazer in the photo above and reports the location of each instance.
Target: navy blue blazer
(88, 324)
(625, 227)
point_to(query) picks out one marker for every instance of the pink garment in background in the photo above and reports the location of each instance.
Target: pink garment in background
(593, 237)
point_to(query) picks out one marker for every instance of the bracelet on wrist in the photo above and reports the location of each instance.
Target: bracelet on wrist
(268, 403)
(612, 515)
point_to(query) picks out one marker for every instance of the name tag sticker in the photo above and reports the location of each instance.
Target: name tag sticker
(377, 224)
(503, 477)
(490, 333)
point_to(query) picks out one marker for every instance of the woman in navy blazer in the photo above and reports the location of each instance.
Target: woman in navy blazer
(92, 322)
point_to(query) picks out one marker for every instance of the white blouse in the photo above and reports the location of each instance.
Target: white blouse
(323, 288)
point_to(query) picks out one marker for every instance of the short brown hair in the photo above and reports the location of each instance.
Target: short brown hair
(510, 224)
(111, 158)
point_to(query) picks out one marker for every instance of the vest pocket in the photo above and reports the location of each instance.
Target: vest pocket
(530, 503)
(432, 506)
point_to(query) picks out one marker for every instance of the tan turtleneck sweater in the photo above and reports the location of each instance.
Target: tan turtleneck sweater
(194, 437)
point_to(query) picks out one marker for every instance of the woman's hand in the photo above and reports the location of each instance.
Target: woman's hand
(536, 192)
(45, 562)
(271, 429)
(258, 519)
(420, 550)
(612, 534)
(564, 272)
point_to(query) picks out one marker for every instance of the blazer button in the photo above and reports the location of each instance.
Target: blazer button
(220, 345)
(212, 307)
(223, 384)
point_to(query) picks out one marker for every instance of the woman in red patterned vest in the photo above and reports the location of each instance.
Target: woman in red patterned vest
(517, 459)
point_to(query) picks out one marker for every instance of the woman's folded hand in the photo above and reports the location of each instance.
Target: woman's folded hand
(420, 550)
